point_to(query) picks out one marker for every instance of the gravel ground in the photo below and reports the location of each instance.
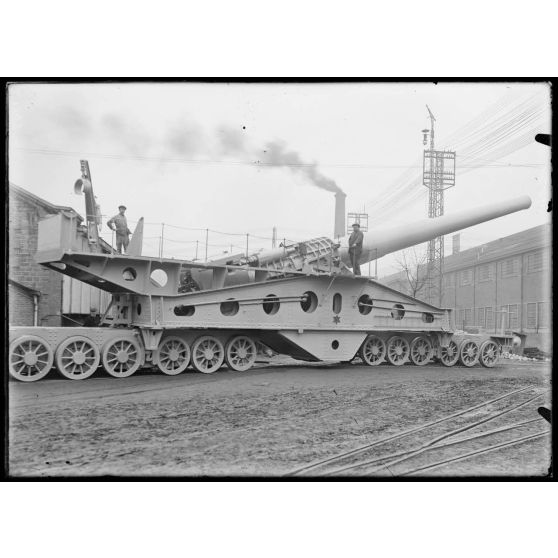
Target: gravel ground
(270, 420)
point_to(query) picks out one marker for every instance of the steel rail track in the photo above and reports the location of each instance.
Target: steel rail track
(413, 430)
(476, 452)
(461, 440)
(430, 444)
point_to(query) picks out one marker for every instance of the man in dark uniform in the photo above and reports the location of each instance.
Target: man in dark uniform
(119, 224)
(355, 247)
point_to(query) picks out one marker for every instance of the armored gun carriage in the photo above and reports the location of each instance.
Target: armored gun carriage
(300, 300)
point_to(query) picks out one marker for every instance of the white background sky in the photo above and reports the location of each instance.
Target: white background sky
(171, 153)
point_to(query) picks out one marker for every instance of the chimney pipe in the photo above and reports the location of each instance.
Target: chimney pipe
(340, 228)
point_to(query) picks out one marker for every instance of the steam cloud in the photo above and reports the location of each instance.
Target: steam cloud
(186, 138)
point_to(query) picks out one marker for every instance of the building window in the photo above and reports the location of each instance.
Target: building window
(449, 279)
(513, 316)
(464, 317)
(509, 317)
(543, 314)
(504, 320)
(535, 262)
(489, 317)
(466, 277)
(531, 315)
(485, 317)
(486, 273)
(510, 267)
(481, 317)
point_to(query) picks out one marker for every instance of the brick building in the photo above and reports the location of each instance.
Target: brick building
(37, 295)
(504, 284)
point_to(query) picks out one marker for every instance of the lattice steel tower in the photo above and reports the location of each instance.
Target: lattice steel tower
(438, 175)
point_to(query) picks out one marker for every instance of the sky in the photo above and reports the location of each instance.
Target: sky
(244, 158)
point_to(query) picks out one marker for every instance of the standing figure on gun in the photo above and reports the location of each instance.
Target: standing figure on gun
(119, 224)
(355, 247)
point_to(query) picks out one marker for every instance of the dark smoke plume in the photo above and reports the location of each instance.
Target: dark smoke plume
(71, 120)
(126, 133)
(185, 138)
(276, 154)
(231, 141)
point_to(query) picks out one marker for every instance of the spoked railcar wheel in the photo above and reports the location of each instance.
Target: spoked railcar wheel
(421, 351)
(469, 353)
(449, 355)
(208, 354)
(77, 358)
(240, 353)
(397, 350)
(373, 350)
(30, 358)
(173, 356)
(489, 353)
(122, 357)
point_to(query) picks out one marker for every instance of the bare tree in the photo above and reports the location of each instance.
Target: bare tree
(412, 263)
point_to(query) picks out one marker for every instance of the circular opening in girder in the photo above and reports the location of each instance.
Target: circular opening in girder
(229, 307)
(271, 304)
(365, 305)
(129, 274)
(335, 344)
(337, 303)
(309, 301)
(398, 312)
(427, 317)
(184, 310)
(138, 309)
(60, 266)
(159, 277)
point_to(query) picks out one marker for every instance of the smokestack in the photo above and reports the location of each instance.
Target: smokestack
(340, 228)
(456, 238)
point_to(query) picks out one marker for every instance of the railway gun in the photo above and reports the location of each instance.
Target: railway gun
(301, 300)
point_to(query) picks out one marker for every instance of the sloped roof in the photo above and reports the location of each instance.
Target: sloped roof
(27, 289)
(527, 240)
(52, 208)
(508, 246)
(48, 206)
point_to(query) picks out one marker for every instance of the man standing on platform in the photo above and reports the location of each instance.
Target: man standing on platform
(355, 247)
(119, 224)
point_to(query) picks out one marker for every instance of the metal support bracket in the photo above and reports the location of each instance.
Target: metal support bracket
(151, 338)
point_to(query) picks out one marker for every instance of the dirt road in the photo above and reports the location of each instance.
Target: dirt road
(268, 421)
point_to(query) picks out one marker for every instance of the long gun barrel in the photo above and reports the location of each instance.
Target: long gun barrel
(381, 240)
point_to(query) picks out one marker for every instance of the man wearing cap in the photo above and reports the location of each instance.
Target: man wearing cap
(119, 224)
(355, 247)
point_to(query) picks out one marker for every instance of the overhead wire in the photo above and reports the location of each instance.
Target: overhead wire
(487, 134)
(406, 189)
